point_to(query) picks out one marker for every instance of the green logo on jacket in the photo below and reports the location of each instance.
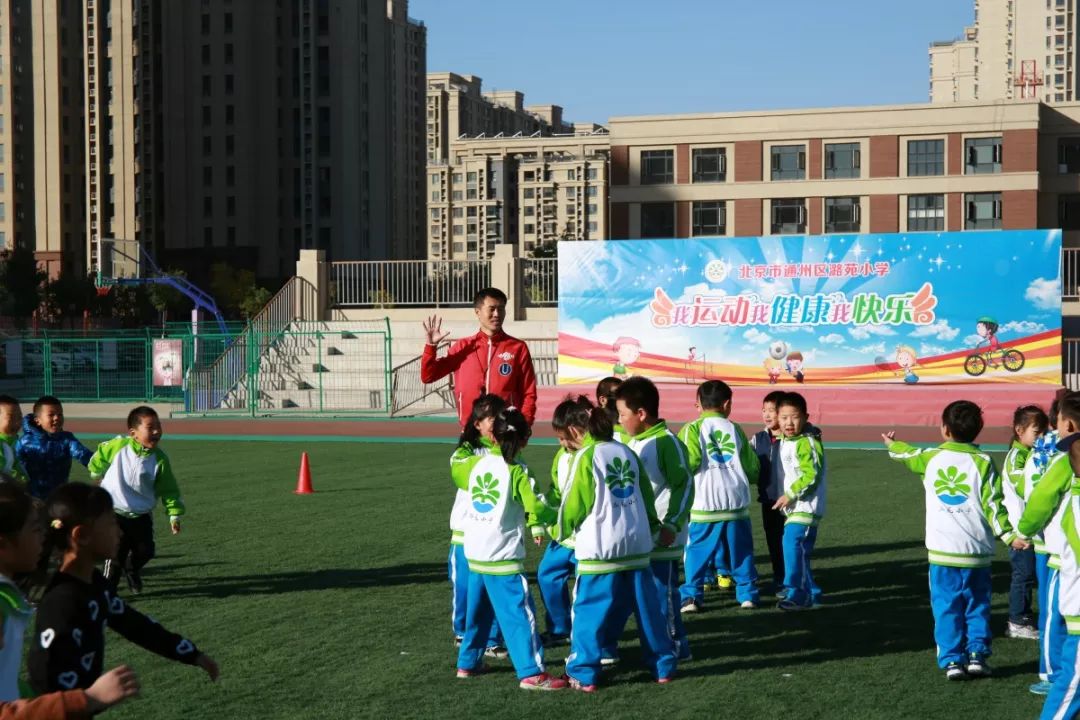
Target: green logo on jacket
(950, 486)
(484, 493)
(721, 447)
(620, 478)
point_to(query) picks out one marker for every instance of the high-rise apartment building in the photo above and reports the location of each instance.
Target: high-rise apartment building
(500, 171)
(1015, 50)
(240, 130)
(526, 191)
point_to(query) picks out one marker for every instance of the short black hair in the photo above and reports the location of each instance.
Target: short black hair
(1028, 415)
(963, 419)
(1069, 407)
(773, 397)
(712, 394)
(792, 399)
(489, 292)
(640, 392)
(135, 417)
(8, 400)
(46, 401)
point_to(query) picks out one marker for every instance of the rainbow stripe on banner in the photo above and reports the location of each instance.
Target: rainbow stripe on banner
(956, 308)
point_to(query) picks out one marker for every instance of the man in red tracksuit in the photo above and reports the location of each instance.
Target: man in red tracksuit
(488, 362)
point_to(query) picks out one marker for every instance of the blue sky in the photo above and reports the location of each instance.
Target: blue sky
(604, 58)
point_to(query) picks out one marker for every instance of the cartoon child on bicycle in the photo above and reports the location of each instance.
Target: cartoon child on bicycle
(986, 327)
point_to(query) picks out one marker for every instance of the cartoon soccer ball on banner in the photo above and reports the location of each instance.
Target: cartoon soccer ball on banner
(778, 350)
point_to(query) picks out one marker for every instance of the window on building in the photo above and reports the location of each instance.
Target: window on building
(788, 216)
(208, 237)
(458, 177)
(530, 228)
(571, 174)
(230, 144)
(529, 211)
(571, 193)
(207, 86)
(230, 176)
(593, 227)
(459, 212)
(983, 211)
(658, 220)
(657, 167)
(207, 145)
(528, 193)
(208, 175)
(592, 209)
(710, 165)
(205, 54)
(1069, 155)
(926, 157)
(458, 195)
(228, 84)
(230, 206)
(842, 215)
(842, 160)
(228, 52)
(591, 174)
(206, 115)
(709, 218)
(459, 230)
(205, 23)
(571, 209)
(788, 162)
(925, 212)
(1069, 212)
(228, 22)
(983, 155)
(208, 205)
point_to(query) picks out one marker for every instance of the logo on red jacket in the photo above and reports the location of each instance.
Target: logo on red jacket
(505, 368)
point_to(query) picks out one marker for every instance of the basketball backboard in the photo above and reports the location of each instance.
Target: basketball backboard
(117, 259)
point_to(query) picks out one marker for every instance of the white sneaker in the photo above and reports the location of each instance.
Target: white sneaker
(496, 651)
(1024, 632)
(748, 605)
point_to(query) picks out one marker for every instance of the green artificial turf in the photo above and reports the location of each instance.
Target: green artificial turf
(337, 605)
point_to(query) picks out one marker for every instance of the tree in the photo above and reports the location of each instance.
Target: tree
(68, 296)
(236, 290)
(22, 280)
(165, 297)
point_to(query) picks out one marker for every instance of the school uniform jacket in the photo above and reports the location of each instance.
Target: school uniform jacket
(136, 477)
(803, 461)
(964, 506)
(724, 466)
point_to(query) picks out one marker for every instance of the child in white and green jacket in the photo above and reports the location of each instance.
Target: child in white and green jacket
(803, 502)
(725, 467)
(501, 493)
(136, 473)
(610, 511)
(665, 458)
(10, 419)
(477, 439)
(964, 513)
(1054, 505)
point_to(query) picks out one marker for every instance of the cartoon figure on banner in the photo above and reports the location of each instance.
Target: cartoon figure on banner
(627, 350)
(795, 365)
(986, 328)
(167, 362)
(774, 364)
(907, 359)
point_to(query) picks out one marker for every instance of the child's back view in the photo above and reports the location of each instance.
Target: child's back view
(724, 467)
(964, 513)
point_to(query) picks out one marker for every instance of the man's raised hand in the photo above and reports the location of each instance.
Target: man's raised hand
(433, 330)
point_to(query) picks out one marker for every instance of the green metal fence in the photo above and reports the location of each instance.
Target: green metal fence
(110, 368)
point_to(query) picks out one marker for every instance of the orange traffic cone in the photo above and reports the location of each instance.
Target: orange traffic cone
(303, 482)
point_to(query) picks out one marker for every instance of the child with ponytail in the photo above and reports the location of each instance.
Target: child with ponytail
(68, 647)
(477, 440)
(610, 512)
(20, 547)
(501, 493)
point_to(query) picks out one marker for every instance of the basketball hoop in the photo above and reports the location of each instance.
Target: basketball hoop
(103, 290)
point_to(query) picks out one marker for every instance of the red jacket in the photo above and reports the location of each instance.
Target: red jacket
(500, 364)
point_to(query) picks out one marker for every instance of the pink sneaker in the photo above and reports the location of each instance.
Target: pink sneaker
(464, 674)
(576, 684)
(543, 681)
(666, 680)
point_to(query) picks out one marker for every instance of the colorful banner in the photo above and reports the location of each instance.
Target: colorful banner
(970, 307)
(168, 363)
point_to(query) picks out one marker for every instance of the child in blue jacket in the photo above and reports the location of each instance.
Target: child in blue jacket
(46, 449)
